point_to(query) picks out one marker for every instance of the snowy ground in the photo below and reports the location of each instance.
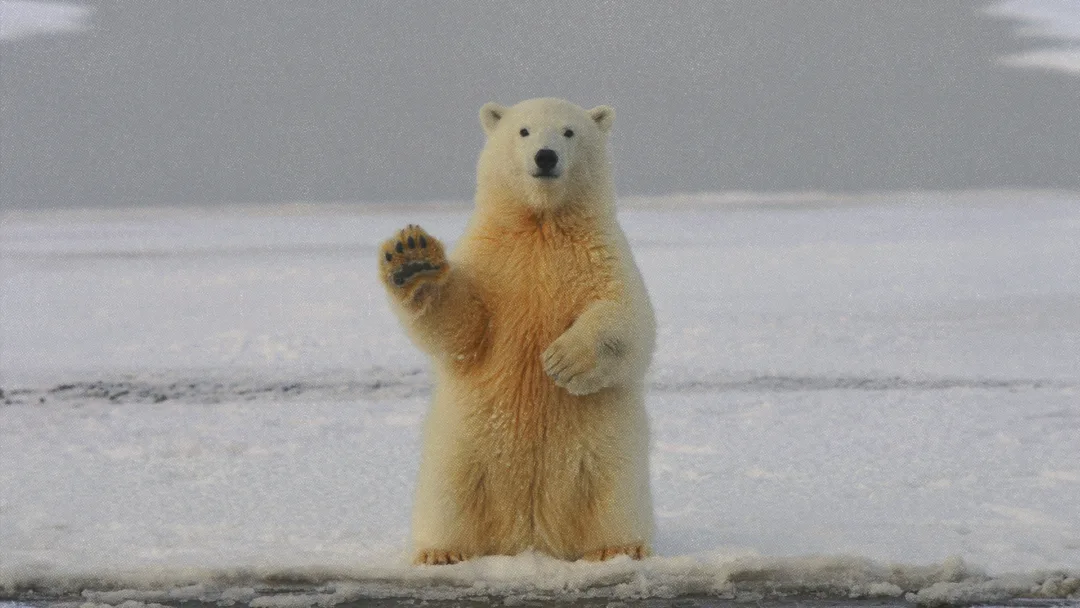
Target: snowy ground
(852, 397)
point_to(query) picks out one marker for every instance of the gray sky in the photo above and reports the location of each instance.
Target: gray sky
(165, 102)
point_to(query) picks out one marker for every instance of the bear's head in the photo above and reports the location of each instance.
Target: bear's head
(547, 153)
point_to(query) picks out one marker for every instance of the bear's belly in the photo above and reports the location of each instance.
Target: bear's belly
(534, 452)
(534, 290)
(531, 448)
(512, 391)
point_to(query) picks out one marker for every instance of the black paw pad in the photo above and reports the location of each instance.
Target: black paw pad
(423, 242)
(399, 247)
(409, 269)
(613, 347)
(412, 243)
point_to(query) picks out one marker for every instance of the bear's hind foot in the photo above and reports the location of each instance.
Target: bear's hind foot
(638, 551)
(438, 557)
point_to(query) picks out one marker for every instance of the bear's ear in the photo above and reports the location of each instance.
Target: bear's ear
(490, 115)
(603, 116)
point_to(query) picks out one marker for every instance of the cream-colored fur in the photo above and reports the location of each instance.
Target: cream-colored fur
(540, 331)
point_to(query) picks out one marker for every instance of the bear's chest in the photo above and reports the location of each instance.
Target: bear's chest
(536, 284)
(543, 285)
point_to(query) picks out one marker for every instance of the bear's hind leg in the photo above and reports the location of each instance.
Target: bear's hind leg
(595, 502)
(453, 516)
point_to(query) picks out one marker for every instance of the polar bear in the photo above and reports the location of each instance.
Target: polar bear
(540, 331)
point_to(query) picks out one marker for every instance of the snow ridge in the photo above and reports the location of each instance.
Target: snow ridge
(381, 383)
(535, 577)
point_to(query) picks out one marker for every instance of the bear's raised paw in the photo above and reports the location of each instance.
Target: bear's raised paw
(412, 260)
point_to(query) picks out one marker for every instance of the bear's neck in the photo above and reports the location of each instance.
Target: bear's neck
(513, 212)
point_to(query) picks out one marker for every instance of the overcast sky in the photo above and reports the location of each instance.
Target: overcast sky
(165, 102)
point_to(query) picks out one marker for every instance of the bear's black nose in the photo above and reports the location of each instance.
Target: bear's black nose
(546, 159)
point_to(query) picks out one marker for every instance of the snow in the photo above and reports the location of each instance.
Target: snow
(852, 397)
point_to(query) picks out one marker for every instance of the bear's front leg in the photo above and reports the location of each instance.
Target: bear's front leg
(598, 351)
(436, 303)
(412, 266)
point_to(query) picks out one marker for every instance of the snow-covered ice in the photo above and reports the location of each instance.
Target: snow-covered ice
(868, 396)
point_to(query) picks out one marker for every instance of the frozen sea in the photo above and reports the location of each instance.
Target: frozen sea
(869, 398)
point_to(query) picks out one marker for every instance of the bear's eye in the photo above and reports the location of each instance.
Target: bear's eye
(524, 132)
(568, 133)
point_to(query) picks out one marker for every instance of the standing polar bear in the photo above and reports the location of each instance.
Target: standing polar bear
(540, 331)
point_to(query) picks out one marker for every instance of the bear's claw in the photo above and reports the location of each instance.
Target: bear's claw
(638, 551)
(437, 557)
